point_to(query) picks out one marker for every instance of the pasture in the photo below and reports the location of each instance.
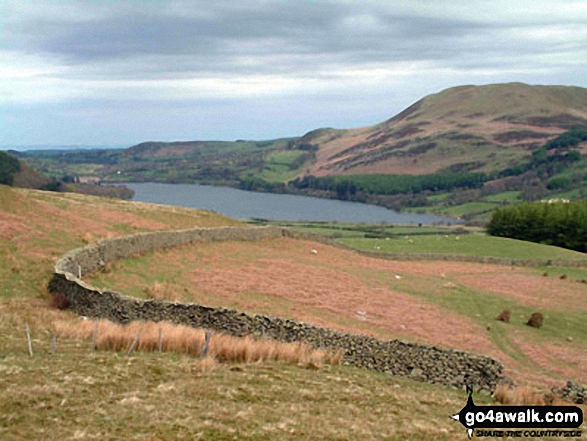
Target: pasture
(77, 393)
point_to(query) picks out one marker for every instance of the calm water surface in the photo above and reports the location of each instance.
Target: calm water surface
(241, 204)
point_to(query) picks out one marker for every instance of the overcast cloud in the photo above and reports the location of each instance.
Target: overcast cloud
(109, 73)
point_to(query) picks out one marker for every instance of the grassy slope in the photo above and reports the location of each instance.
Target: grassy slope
(278, 166)
(471, 128)
(469, 244)
(77, 394)
(427, 239)
(433, 302)
(467, 123)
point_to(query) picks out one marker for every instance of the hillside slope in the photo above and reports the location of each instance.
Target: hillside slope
(461, 152)
(168, 396)
(481, 128)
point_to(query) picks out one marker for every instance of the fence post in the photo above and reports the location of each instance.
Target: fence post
(54, 342)
(28, 338)
(95, 335)
(204, 351)
(134, 343)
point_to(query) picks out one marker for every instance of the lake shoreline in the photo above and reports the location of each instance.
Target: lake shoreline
(372, 200)
(271, 206)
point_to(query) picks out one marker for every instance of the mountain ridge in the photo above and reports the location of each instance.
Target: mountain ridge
(476, 121)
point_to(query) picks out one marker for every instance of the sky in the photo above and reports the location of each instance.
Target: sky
(124, 72)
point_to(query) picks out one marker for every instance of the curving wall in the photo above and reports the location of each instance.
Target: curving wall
(424, 363)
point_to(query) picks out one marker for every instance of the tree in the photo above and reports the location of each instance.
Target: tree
(9, 166)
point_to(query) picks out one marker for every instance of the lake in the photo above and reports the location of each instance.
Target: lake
(240, 204)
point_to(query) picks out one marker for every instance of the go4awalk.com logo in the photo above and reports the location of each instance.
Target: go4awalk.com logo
(519, 421)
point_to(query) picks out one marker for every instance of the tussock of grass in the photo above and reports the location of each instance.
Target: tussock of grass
(187, 340)
(525, 396)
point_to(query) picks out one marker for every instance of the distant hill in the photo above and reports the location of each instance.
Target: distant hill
(461, 152)
(211, 162)
(465, 128)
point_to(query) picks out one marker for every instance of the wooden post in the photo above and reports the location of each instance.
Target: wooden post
(28, 338)
(79, 271)
(204, 351)
(54, 343)
(160, 340)
(95, 335)
(134, 343)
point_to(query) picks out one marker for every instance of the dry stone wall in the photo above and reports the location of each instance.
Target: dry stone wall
(424, 363)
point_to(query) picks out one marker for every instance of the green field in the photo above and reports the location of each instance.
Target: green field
(279, 166)
(457, 240)
(468, 244)
(465, 209)
(507, 196)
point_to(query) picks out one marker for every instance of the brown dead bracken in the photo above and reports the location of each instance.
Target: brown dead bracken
(536, 320)
(504, 316)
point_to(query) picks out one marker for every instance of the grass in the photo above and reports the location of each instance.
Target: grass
(506, 196)
(524, 396)
(463, 209)
(571, 194)
(362, 230)
(481, 306)
(261, 278)
(277, 167)
(438, 197)
(190, 341)
(78, 393)
(466, 244)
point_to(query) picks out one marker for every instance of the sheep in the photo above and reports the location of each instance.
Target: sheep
(314, 251)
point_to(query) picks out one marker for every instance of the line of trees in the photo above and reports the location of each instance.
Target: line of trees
(560, 224)
(9, 166)
(380, 184)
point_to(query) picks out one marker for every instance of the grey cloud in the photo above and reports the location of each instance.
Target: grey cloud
(302, 37)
